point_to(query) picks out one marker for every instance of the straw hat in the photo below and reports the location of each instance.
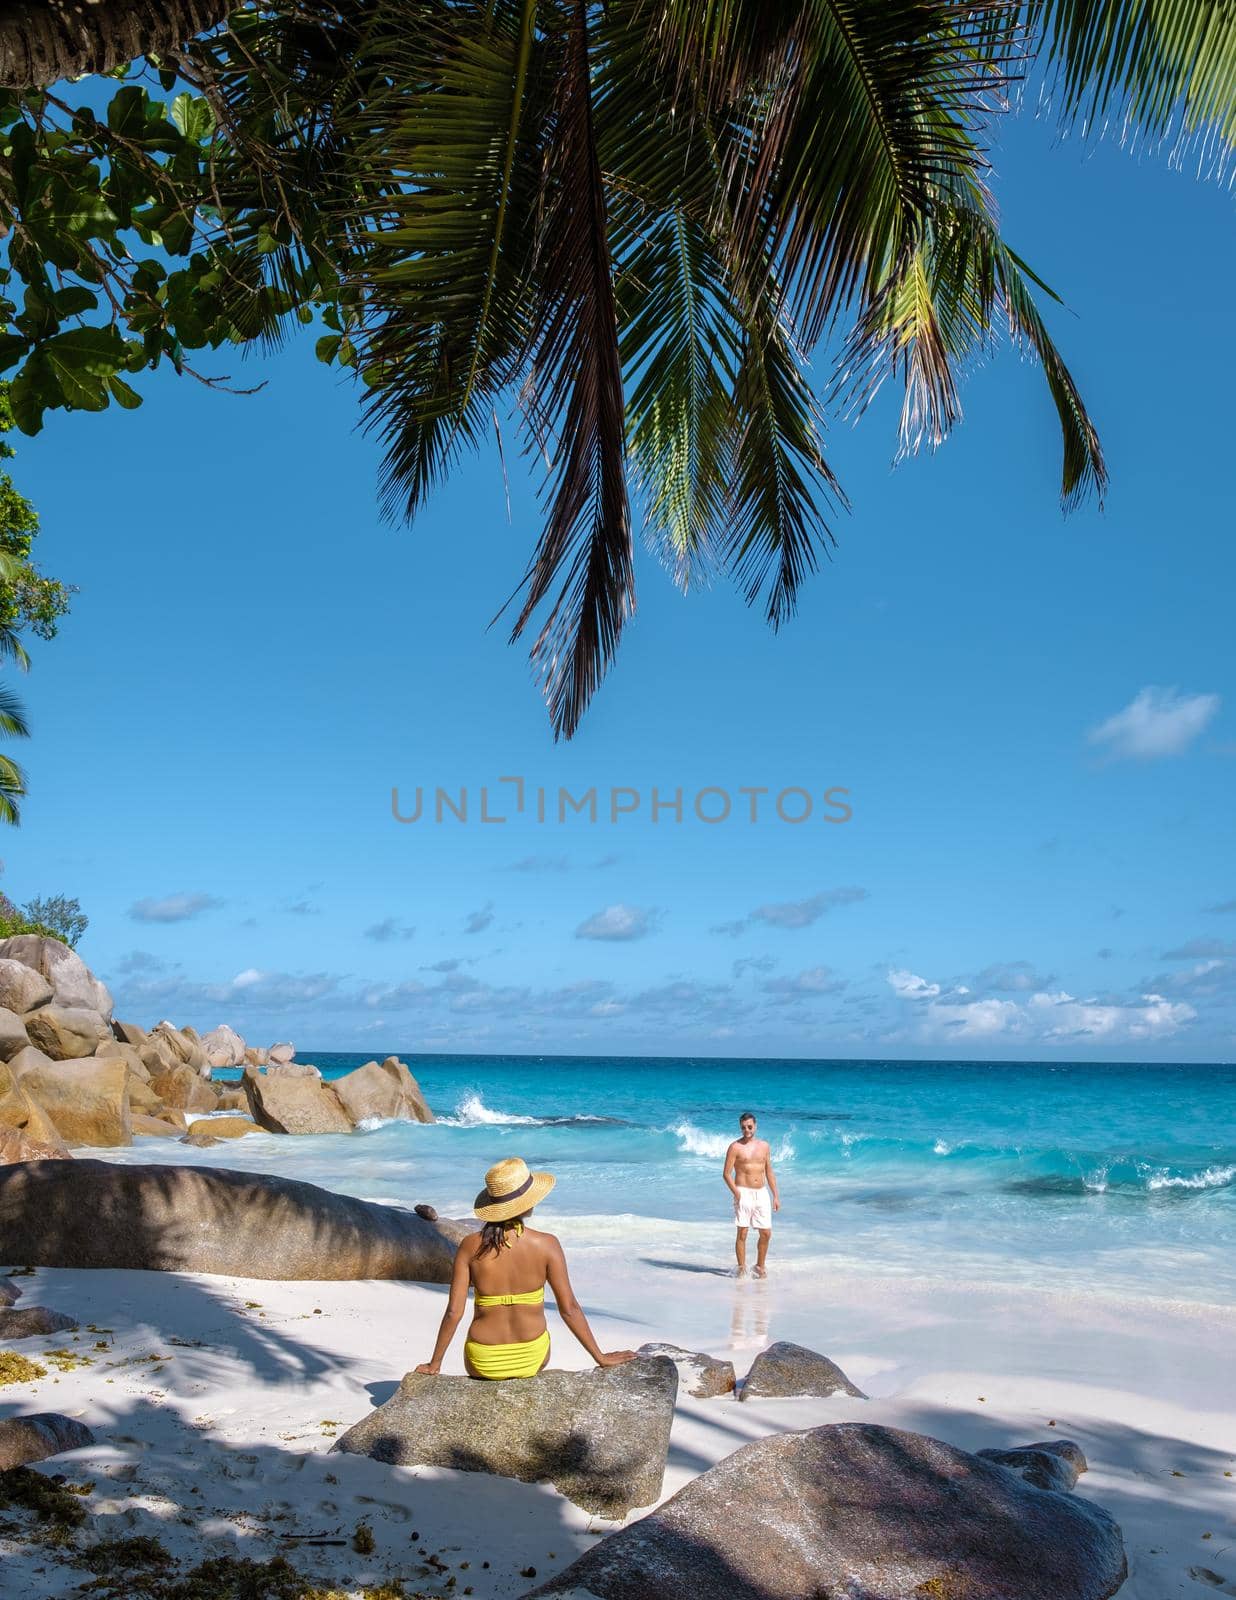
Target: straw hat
(510, 1190)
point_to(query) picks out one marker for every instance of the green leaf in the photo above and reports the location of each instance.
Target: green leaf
(193, 116)
(126, 113)
(128, 398)
(12, 348)
(75, 299)
(327, 347)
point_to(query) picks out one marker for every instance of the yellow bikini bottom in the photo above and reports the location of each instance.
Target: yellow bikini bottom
(508, 1360)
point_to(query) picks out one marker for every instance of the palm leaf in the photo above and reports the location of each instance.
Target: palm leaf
(12, 789)
(444, 274)
(13, 722)
(1161, 69)
(574, 396)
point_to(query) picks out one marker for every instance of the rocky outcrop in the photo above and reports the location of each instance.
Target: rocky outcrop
(22, 989)
(87, 1101)
(224, 1047)
(387, 1091)
(600, 1437)
(285, 1102)
(31, 1321)
(860, 1511)
(199, 1141)
(791, 1369)
(72, 983)
(198, 1219)
(38, 1437)
(66, 1033)
(702, 1377)
(54, 1014)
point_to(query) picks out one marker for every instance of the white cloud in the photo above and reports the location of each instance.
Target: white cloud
(478, 921)
(172, 907)
(618, 923)
(1155, 723)
(1042, 1017)
(909, 986)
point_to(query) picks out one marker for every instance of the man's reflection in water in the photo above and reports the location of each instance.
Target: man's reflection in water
(752, 1311)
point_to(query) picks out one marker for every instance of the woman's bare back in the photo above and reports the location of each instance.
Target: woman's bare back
(521, 1266)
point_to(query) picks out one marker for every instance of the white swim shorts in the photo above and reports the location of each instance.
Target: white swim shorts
(753, 1208)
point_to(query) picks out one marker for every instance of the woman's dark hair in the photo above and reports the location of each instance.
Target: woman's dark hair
(493, 1234)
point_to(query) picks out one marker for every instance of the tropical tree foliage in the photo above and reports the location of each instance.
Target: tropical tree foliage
(665, 236)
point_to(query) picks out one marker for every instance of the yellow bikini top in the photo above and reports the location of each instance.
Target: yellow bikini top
(531, 1297)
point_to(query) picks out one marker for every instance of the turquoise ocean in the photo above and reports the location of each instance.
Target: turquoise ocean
(1109, 1178)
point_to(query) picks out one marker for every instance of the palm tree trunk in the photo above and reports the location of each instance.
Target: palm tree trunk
(43, 40)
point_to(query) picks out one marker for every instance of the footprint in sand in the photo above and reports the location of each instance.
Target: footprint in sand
(1212, 1580)
(395, 1512)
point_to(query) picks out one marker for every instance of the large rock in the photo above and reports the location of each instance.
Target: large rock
(184, 1088)
(703, 1377)
(856, 1512)
(13, 1035)
(29, 1134)
(32, 1321)
(256, 1056)
(156, 1127)
(21, 987)
(142, 1096)
(36, 1437)
(125, 1052)
(88, 1101)
(16, 1145)
(224, 1047)
(287, 1103)
(791, 1369)
(66, 1033)
(72, 982)
(281, 1053)
(600, 1437)
(196, 1219)
(129, 1033)
(182, 1043)
(226, 1127)
(386, 1091)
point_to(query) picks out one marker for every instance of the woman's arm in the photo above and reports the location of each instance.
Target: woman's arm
(572, 1313)
(456, 1305)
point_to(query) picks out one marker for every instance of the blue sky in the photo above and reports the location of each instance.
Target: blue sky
(1033, 716)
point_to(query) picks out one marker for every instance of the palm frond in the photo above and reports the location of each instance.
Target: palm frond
(1164, 70)
(446, 311)
(12, 789)
(575, 397)
(13, 724)
(857, 114)
(780, 477)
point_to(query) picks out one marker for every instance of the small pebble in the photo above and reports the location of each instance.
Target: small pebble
(527, 1572)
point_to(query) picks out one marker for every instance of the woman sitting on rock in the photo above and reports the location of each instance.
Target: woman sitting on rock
(508, 1265)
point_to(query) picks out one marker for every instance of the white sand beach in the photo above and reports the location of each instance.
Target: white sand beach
(214, 1403)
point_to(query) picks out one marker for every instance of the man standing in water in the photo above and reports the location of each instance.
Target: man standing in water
(754, 1187)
